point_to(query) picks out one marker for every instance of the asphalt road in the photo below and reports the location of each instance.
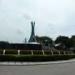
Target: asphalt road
(50, 69)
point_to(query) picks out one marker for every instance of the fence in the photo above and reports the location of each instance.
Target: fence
(35, 52)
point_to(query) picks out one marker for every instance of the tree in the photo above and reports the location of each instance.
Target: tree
(3, 44)
(44, 40)
(72, 41)
(64, 41)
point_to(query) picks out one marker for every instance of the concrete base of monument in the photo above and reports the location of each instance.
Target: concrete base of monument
(35, 63)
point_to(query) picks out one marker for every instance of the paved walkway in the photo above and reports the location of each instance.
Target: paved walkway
(47, 68)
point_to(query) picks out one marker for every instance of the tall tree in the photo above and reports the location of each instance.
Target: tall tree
(72, 41)
(44, 40)
(64, 40)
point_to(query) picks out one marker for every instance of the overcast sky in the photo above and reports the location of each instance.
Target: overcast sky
(52, 18)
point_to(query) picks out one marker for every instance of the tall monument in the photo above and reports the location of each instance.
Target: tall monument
(32, 37)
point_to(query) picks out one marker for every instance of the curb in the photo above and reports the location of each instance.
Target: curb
(34, 63)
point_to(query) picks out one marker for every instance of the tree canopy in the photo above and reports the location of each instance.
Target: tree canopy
(44, 40)
(66, 41)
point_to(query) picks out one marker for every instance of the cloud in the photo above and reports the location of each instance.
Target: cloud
(52, 17)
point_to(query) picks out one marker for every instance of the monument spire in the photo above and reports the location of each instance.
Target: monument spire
(32, 37)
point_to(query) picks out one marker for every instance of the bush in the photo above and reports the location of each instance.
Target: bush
(67, 52)
(35, 58)
(11, 52)
(48, 52)
(1, 51)
(37, 52)
(55, 52)
(61, 52)
(27, 52)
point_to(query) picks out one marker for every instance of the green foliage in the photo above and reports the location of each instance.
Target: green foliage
(61, 39)
(25, 52)
(35, 58)
(47, 52)
(61, 52)
(64, 41)
(44, 40)
(56, 52)
(72, 41)
(1, 51)
(11, 52)
(37, 52)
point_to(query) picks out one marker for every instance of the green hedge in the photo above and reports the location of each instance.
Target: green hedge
(1, 51)
(27, 52)
(37, 52)
(35, 58)
(61, 52)
(55, 52)
(11, 52)
(47, 52)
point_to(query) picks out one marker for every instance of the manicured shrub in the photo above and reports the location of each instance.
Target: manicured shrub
(37, 52)
(11, 52)
(61, 52)
(35, 58)
(1, 51)
(25, 52)
(55, 52)
(67, 52)
(48, 52)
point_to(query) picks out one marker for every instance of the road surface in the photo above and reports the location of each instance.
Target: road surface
(67, 68)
